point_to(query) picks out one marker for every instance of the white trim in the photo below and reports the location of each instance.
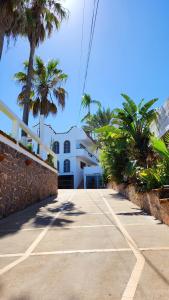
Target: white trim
(8, 142)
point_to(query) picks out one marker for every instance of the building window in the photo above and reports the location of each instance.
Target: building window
(58, 166)
(56, 147)
(66, 166)
(67, 147)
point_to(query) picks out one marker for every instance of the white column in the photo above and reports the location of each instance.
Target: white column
(84, 181)
(41, 122)
(15, 130)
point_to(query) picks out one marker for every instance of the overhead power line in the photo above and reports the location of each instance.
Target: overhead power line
(92, 31)
(82, 38)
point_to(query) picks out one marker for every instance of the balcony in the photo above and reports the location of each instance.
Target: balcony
(81, 151)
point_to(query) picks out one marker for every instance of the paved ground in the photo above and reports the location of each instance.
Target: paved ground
(85, 245)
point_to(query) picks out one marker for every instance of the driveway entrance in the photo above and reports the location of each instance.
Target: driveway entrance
(85, 245)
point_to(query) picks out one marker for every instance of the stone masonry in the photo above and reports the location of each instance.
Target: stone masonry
(23, 181)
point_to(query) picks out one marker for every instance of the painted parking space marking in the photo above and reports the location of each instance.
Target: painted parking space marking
(85, 251)
(74, 226)
(11, 255)
(132, 284)
(81, 251)
(35, 243)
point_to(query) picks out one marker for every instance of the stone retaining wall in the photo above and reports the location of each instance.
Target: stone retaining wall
(149, 202)
(23, 180)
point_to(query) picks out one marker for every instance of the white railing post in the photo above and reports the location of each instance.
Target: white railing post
(15, 130)
(17, 124)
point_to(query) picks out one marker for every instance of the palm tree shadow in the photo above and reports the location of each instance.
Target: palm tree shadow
(156, 270)
(135, 213)
(15, 221)
(117, 196)
(39, 215)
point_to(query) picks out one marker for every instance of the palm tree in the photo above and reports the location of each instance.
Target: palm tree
(86, 102)
(11, 16)
(46, 88)
(101, 118)
(42, 17)
(135, 120)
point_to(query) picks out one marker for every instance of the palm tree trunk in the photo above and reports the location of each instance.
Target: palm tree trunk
(28, 86)
(2, 35)
(89, 109)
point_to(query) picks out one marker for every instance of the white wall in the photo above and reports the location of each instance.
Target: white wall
(93, 170)
(75, 136)
(161, 126)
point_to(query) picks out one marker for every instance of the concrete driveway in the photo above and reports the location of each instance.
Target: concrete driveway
(84, 245)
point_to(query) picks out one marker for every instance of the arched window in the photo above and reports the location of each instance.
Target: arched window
(66, 165)
(67, 147)
(56, 147)
(58, 165)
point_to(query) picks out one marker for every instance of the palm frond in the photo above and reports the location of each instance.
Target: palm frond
(60, 95)
(35, 107)
(20, 77)
(130, 102)
(147, 105)
(98, 103)
(86, 100)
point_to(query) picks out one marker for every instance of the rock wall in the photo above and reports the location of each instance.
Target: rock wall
(149, 201)
(23, 180)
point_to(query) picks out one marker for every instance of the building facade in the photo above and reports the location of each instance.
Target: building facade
(161, 127)
(75, 151)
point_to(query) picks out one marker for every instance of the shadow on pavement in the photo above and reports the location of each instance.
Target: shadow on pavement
(39, 215)
(118, 196)
(136, 213)
(156, 270)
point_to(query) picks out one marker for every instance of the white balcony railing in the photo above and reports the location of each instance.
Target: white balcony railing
(18, 124)
(83, 152)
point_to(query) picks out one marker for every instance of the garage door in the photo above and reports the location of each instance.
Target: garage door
(94, 181)
(66, 182)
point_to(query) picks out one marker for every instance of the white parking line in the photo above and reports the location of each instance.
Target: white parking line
(132, 284)
(81, 251)
(154, 249)
(74, 226)
(85, 251)
(34, 244)
(11, 255)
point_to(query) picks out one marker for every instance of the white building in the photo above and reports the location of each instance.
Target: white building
(78, 164)
(161, 126)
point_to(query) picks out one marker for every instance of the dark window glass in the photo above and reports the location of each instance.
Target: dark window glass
(66, 166)
(56, 147)
(58, 165)
(67, 147)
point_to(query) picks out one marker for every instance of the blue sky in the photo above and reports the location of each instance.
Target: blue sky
(130, 54)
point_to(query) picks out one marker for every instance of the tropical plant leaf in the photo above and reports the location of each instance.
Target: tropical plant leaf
(160, 147)
(147, 105)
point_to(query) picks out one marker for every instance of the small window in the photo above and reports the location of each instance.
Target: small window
(56, 147)
(66, 166)
(58, 165)
(67, 147)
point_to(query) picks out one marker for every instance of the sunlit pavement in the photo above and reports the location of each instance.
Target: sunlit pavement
(86, 244)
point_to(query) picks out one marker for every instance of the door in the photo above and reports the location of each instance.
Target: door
(66, 182)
